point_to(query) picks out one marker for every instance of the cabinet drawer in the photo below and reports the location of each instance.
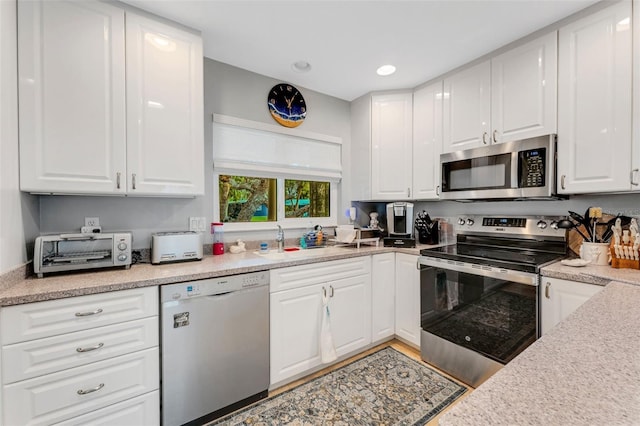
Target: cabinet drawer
(34, 358)
(140, 411)
(56, 397)
(44, 319)
(316, 273)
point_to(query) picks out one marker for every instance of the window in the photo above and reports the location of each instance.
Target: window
(246, 199)
(264, 174)
(304, 198)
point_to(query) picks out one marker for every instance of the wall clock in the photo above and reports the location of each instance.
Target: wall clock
(286, 105)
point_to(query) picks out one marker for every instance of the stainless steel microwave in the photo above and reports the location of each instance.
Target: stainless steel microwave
(511, 170)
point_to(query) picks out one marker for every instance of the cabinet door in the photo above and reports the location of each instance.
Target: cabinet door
(383, 278)
(467, 108)
(59, 396)
(295, 331)
(71, 97)
(594, 102)
(165, 132)
(139, 411)
(391, 146)
(524, 90)
(635, 149)
(21, 323)
(559, 298)
(427, 141)
(350, 310)
(408, 298)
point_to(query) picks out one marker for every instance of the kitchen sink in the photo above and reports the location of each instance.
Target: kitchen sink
(293, 254)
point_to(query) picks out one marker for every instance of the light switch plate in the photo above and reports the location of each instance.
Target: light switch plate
(197, 224)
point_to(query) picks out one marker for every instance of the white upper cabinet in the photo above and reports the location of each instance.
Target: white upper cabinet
(391, 146)
(427, 141)
(164, 109)
(72, 97)
(524, 90)
(467, 108)
(108, 105)
(635, 161)
(512, 96)
(594, 102)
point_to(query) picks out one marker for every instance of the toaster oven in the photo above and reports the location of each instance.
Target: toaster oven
(70, 252)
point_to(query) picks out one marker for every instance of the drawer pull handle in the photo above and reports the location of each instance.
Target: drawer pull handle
(86, 314)
(86, 391)
(90, 348)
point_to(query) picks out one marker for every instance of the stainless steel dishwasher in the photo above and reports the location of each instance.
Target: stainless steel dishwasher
(215, 346)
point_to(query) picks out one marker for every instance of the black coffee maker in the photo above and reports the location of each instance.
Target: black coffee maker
(400, 225)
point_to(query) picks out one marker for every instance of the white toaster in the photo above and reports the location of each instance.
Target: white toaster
(176, 246)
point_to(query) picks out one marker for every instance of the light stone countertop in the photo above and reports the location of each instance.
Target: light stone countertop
(601, 275)
(16, 289)
(585, 371)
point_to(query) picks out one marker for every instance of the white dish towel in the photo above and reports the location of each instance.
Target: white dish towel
(327, 349)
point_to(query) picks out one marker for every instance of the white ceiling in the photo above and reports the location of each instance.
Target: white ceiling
(346, 41)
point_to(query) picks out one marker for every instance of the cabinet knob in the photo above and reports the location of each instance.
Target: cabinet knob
(118, 180)
(484, 138)
(133, 181)
(562, 182)
(632, 177)
(495, 136)
(438, 190)
(408, 192)
(86, 314)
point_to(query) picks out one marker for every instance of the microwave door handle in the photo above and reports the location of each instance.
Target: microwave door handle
(514, 169)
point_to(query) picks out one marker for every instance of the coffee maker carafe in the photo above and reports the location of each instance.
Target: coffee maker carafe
(400, 219)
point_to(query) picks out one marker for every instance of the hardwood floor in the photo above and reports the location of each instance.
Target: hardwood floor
(396, 344)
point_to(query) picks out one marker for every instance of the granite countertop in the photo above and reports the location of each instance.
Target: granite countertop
(591, 274)
(585, 371)
(15, 289)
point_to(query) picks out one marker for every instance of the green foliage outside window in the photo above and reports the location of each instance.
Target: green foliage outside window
(303, 198)
(251, 199)
(247, 199)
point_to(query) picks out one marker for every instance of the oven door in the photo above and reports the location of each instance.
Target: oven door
(490, 311)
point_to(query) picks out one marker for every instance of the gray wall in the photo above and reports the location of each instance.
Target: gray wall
(230, 91)
(626, 204)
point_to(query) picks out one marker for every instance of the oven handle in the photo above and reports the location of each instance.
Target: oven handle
(481, 270)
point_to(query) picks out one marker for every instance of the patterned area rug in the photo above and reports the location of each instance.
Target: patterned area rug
(384, 388)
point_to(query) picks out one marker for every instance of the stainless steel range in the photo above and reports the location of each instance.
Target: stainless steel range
(479, 297)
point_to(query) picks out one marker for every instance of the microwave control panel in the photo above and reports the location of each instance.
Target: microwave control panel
(531, 170)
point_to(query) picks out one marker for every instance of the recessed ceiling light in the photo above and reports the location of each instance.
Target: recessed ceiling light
(386, 70)
(301, 66)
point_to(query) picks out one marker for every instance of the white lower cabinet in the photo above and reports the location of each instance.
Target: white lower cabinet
(383, 309)
(76, 360)
(296, 313)
(559, 298)
(407, 279)
(139, 411)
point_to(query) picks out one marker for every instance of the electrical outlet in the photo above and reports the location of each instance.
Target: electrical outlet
(91, 221)
(197, 224)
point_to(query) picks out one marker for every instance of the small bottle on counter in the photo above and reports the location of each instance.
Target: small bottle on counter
(218, 240)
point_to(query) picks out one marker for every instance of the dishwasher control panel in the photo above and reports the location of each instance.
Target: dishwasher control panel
(213, 286)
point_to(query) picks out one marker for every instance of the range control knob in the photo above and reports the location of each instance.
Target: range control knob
(554, 225)
(122, 246)
(541, 224)
(470, 222)
(122, 257)
(461, 221)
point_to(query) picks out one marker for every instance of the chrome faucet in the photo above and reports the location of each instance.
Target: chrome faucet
(280, 239)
